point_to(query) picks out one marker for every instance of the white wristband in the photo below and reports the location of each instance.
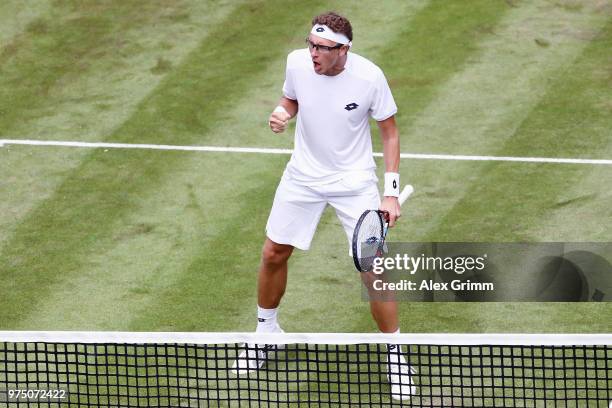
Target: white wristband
(392, 186)
(280, 108)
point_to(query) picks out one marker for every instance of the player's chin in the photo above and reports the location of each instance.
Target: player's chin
(317, 67)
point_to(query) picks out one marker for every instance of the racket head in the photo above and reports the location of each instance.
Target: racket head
(368, 238)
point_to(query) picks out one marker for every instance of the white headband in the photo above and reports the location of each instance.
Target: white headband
(324, 31)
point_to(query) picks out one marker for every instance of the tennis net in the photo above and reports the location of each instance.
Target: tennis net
(57, 369)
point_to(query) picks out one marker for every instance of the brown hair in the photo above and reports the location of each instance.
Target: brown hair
(336, 22)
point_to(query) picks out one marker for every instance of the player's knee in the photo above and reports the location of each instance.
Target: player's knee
(275, 254)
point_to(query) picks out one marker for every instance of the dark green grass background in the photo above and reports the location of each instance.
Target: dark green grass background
(150, 240)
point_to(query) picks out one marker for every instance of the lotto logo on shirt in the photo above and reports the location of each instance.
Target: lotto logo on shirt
(351, 106)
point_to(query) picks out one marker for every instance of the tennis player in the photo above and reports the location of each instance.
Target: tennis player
(333, 92)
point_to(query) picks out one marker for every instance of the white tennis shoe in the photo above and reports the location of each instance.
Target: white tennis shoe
(399, 375)
(253, 357)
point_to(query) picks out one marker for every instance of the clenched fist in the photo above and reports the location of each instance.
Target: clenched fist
(279, 119)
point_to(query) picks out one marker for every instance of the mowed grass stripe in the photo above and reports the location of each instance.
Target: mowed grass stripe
(439, 43)
(214, 288)
(579, 117)
(183, 260)
(55, 240)
(571, 205)
(484, 102)
(116, 70)
(483, 105)
(509, 202)
(571, 118)
(439, 184)
(15, 17)
(42, 66)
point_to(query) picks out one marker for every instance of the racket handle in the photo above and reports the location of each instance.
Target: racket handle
(406, 192)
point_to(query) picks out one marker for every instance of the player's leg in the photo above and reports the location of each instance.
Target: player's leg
(350, 198)
(384, 309)
(383, 306)
(271, 284)
(272, 278)
(292, 222)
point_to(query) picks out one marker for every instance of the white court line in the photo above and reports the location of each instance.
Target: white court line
(226, 149)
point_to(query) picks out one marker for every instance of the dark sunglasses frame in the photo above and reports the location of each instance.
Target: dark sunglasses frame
(319, 47)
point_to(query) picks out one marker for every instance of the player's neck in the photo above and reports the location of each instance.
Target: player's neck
(338, 68)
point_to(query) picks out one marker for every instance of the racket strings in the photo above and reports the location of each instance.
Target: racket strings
(369, 239)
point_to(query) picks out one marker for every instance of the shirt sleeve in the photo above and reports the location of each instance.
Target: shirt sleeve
(383, 105)
(288, 87)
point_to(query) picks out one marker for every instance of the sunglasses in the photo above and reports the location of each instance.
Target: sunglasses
(322, 48)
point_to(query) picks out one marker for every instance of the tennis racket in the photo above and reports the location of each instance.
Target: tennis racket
(370, 232)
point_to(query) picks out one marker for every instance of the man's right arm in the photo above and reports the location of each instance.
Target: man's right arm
(286, 109)
(290, 106)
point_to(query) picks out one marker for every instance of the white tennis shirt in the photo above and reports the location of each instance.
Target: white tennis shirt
(332, 135)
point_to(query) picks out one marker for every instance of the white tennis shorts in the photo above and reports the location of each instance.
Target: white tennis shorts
(297, 208)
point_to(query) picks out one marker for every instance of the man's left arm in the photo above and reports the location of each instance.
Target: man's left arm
(391, 154)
